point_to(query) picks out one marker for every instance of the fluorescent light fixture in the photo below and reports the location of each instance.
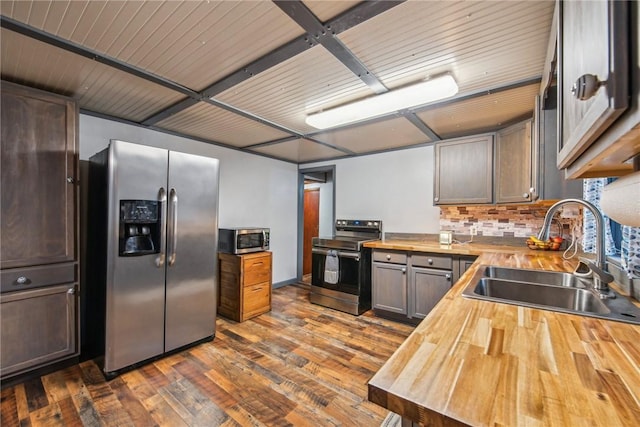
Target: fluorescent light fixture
(406, 97)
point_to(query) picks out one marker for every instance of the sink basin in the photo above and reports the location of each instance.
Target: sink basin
(548, 290)
(542, 277)
(558, 297)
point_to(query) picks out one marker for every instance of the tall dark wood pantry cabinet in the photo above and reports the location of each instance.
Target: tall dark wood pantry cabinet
(39, 226)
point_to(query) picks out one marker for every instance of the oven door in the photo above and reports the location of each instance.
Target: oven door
(350, 271)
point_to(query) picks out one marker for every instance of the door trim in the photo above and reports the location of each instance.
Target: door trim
(301, 173)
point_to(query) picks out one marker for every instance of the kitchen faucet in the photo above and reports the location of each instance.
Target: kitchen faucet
(601, 278)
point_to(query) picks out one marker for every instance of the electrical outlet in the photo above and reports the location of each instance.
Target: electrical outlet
(473, 230)
(570, 211)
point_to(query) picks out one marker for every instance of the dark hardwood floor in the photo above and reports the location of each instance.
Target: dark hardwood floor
(300, 364)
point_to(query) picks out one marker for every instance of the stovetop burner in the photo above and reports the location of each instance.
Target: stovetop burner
(337, 242)
(351, 234)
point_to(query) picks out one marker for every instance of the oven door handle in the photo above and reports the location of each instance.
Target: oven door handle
(352, 255)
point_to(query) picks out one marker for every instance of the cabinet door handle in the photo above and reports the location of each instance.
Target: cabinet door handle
(447, 276)
(71, 291)
(525, 195)
(23, 280)
(70, 180)
(435, 199)
(586, 86)
(404, 271)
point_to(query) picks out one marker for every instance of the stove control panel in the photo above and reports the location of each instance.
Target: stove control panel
(358, 224)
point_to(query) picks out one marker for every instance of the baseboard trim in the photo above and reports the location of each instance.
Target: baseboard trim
(284, 283)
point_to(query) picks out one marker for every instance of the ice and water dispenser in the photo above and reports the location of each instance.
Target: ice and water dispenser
(139, 227)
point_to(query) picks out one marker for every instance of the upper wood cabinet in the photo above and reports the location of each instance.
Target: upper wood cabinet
(515, 163)
(599, 129)
(39, 174)
(524, 169)
(464, 171)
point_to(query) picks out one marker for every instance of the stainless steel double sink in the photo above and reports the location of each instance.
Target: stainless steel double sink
(548, 290)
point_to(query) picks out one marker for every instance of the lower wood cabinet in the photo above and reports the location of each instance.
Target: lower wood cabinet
(407, 285)
(461, 265)
(39, 326)
(428, 286)
(244, 285)
(389, 288)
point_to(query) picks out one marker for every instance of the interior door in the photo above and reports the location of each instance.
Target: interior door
(311, 225)
(192, 244)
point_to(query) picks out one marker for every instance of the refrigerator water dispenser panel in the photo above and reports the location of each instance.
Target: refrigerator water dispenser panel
(139, 229)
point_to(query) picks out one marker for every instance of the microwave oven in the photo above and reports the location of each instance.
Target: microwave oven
(243, 240)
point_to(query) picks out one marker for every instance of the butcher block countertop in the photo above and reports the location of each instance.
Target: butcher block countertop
(472, 362)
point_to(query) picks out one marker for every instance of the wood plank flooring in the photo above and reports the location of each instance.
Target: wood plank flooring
(298, 365)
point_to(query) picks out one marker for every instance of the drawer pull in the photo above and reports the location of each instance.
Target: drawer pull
(388, 257)
(430, 261)
(22, 280)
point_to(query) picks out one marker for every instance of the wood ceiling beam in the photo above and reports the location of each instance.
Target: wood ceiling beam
(69, 46)
(291, 138)
(325, 35)
(352, 17)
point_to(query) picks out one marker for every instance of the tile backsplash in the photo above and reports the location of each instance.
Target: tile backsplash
(503, 220)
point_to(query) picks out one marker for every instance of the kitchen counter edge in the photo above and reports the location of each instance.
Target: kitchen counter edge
(535, 366)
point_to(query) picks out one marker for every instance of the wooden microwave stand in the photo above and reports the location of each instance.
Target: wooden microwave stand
(245, 285)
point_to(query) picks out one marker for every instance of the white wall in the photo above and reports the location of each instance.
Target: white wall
(254, 190)
(396, 187)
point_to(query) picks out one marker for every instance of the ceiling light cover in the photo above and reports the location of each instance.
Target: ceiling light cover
(409, 96)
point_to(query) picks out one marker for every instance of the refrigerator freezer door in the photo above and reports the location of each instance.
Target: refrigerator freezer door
(192, 243)
(135, 284)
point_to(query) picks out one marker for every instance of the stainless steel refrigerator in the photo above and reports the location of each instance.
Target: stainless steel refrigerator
(152, 249)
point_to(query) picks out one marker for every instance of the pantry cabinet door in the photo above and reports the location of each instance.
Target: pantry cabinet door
(39, 177)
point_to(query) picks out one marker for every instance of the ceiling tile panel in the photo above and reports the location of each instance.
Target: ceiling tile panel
(299, 150)
(378, 136)
(287, 92)
(194, 43)
(484, 44)
(476, 41)
(216, 124)
(96, 86)
(481, 114)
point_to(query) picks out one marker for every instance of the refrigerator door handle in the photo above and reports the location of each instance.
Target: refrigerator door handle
(173, 234)
(162, 200)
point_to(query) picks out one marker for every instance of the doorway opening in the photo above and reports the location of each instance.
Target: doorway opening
(316, 212)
